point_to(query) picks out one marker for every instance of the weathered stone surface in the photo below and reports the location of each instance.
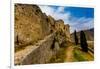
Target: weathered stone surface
(41, 35)
(30, 23)
(40, 54)
(57, 47)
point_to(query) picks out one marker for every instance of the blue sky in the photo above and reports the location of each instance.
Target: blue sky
(79, 18)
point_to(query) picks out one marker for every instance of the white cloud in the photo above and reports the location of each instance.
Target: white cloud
(60, 9)
(82, 24)
(75, 23)
(56, 13)
(48, 10)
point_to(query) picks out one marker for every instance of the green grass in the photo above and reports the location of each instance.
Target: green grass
(78, 56)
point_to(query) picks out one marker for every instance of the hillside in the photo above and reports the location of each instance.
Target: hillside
(89, 34)
(38, 37)
(31, 25)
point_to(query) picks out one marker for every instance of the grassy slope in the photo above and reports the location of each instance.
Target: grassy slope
(79, 55)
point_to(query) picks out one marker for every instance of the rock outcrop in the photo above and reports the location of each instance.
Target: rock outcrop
(31, 26)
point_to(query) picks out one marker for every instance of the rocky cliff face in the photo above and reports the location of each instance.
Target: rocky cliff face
(31, 25)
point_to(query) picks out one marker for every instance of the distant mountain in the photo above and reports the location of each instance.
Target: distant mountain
(89, 34)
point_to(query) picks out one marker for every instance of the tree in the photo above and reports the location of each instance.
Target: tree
(75, 38)
(83, 42)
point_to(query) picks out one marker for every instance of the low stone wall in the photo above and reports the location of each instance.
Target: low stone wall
(42, 54)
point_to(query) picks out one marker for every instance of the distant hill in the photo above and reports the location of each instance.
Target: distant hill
(89, 34)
